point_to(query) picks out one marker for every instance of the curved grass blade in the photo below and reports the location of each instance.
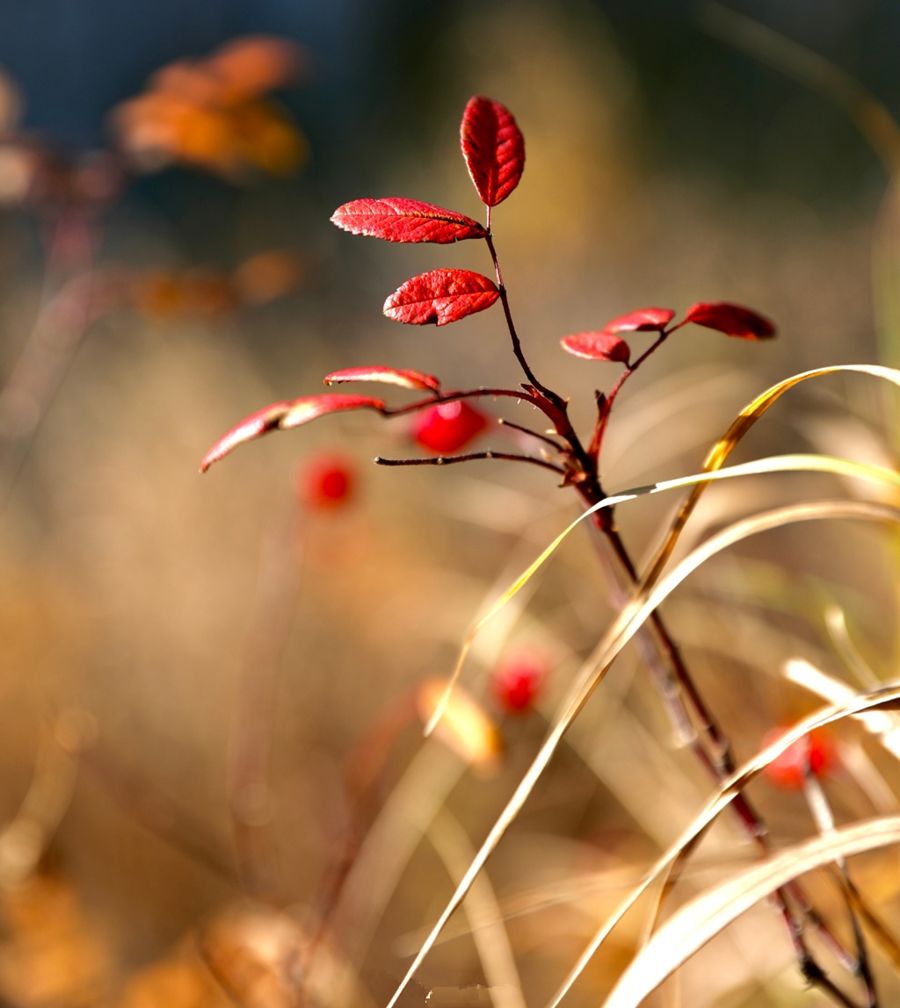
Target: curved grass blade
(486, 923)
(858, 705)
(774, 463)
(740, 426)
(694, 924)
(624, 628)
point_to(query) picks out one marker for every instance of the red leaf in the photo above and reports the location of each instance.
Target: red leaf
(440, 296)
(602, 345)
(405, 220)
(283, 415)
(731, 319)
(642, 320)
(493, 147)
(391, 376)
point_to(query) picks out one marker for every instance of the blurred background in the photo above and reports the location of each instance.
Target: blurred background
(212, 687)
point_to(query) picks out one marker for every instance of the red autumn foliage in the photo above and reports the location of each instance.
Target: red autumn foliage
(493, 148)
(448, 427)
(641, 320)
(326, 482)
(397, 219)
(440, 296)
(815, 750)
(516, 682)
(605, 346)
(403, 377)
(283, 415)
(731, 319)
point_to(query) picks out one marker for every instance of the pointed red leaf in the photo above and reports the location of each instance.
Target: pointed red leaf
(440, 296)
(493, 148)
(602, 345)
(392, 376)
(397, 219)
(731, 319)
(642, 320)
(283, 415)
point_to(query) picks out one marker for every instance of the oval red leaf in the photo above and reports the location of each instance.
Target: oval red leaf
(602, 345)
(283, 415)
(731, 319)
(440, 296)
(392, 376)
(493, 148)
(642, 320)
(396, 219)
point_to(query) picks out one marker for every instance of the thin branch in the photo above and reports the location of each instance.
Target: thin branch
(440, 460)
(510, 325)
(824, 819)
(719, 762)
(532, 433)
(606, 404)
(481, 392)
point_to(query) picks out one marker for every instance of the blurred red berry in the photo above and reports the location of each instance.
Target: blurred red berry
(815, 751)
(326, 482)
(447, 427)
(517, 681)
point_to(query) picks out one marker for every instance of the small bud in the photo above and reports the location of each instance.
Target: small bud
(447, 427)
(517, 681)
(326, 482)
(815, 754)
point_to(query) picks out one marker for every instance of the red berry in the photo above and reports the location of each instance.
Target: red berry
(448, 427)
(815, 750)
(326, 482)
(517, 681)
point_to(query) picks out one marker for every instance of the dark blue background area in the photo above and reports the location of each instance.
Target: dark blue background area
(74, 59)
(705, 104)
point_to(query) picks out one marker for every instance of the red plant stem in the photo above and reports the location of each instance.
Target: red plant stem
(471, 457)
(719, 763)
(256, 704)
(445, 397)
(820, 810)
(510, 325)
(607, 404)
(44, 361)
(365, 771)
(532, 433)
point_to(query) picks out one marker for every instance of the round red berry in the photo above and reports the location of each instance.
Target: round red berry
(815, 751)
(448, 427)
(517, 682)
(326, 482)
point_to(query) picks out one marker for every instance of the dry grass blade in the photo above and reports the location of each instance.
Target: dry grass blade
(624, 628)
(771, 464)
(740, 426)
(729, 790)
(485, 917)
(696, 923)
